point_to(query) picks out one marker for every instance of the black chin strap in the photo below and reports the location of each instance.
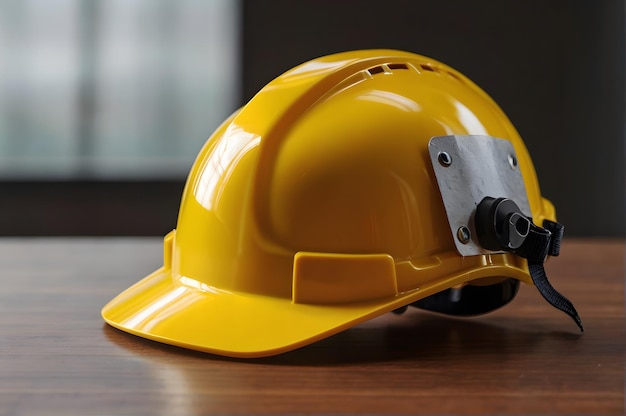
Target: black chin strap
(501, 225)
(540, 243)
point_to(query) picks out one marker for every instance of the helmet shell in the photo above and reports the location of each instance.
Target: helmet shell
(315, 207)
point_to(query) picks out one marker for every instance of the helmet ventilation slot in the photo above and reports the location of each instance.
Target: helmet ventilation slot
(388, 68)
(397, 66)
(376, 70)
(455, 76)
(437, 70)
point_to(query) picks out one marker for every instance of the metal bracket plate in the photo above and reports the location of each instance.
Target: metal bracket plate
(469, 168)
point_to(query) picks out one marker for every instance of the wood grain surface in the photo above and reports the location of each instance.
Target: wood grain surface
(57, 356)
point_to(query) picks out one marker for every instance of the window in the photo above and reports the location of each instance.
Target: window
(113, 88)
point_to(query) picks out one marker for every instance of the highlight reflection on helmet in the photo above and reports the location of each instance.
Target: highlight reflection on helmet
(324, 202)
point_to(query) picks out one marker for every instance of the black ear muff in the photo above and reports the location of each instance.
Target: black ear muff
(470, 299)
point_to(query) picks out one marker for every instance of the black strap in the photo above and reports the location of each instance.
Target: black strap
(538, 244)
(549, 293)
(557, 235)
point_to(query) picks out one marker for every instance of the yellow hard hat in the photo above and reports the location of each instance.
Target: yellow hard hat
(350, 186)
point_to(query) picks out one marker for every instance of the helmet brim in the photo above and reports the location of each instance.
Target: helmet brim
(162, 309)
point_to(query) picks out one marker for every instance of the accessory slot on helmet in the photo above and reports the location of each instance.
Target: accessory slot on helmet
(468, 169)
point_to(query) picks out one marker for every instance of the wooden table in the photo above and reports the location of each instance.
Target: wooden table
(57, 356)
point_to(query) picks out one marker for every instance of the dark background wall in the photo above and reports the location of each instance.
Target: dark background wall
(556, 68)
